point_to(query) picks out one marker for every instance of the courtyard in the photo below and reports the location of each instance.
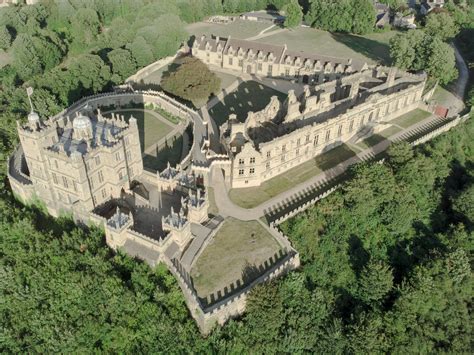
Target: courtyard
(237, 29)
(371, 48)
(248, 96)
(237, 247)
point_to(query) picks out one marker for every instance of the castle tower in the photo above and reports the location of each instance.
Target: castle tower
(116, 228)
(179, 228)
(197, 205)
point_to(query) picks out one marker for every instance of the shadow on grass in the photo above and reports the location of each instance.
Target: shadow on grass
(171, 152)
(377, 51)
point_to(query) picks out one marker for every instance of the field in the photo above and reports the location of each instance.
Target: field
(249, 96)
(237, 244)
(410, 118)
(237, 29)
(370, 48)
(253, 196)
(150, 126)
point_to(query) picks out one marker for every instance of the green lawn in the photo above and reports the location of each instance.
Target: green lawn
(370, 48)
(236, 245)
(171, 152)
(410, 118)
(254, 196)
(151, 129)
(249, 96)
(237, 29)
(378, 137)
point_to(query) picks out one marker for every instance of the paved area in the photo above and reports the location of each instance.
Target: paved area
(228, 209)
(463, 78)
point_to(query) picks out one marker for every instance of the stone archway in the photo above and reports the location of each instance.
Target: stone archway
(305, 79)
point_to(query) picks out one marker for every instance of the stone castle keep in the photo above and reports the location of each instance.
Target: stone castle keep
(89, 163)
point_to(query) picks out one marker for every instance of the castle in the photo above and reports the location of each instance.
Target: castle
(89, 164)
(342, 101)
(283, 136)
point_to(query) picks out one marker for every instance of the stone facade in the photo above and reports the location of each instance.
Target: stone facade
(283, 136)
(272, 60)
(76, 164)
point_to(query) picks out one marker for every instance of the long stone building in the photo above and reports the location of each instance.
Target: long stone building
(283, 136)
(269, 60)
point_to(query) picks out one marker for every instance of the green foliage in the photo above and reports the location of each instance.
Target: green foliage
(441, 25)
(294, 14)
(354, 16)
(122, 63)
(192, 80)
(417, 50)
(5, 37)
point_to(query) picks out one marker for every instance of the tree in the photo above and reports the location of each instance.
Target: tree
(375, 282)
(463, 204)
(141, 51)
(442, 25)
(5, 38)
(25, 58)
(294, 14)
(356, 16)
(122, 62)
(440, 61)
(192, 81)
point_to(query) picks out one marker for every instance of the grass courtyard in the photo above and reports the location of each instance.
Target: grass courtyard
(170, 152)
(411, 118)
(236, 245)
(150, 127)
(249, 96)
(237, 29)
(254, 196)
(372, 48)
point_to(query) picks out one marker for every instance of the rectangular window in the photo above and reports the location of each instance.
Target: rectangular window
(307, 138)
(131, 171)
(339, 130)
(259, 66)
(120, 175)
(117, 156)
(241, 161)
(92, 181)
(66, 185)
(268, 154)
(267, 166)
(97, 160)
(316, 140)
(328, 135)
(270, 70)
(241, 172)
(252, 160)
(298, 142)
(127, 140)
(297, 152)
(129, 155)
(283, 148)
(351, 126)
(56, 164)
(55, 178)
(241, 62)
(101, 177)
(230, 61)
(104, 194)
(287, 72)
(283, 158)
(252, 171)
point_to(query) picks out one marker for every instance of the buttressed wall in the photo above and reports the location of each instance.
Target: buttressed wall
(282, 136)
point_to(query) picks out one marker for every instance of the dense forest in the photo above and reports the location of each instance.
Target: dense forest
(386, 260)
